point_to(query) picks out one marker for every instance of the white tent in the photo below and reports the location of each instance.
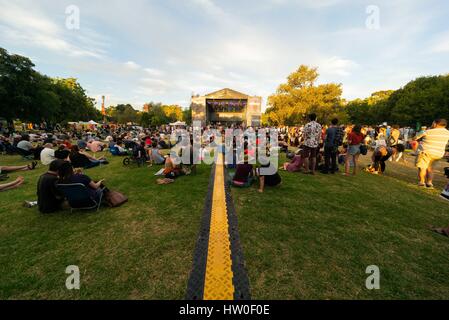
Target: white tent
(93, 123)
(178, 124)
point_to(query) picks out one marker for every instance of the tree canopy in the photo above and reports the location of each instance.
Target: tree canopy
(30, 96)
(300, 96)
(421, 101)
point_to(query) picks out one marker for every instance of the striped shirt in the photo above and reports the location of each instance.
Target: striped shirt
(434, 142)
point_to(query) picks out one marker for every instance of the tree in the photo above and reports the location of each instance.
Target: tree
(187, 116)
(373, 110)
(123, 114)
(299, 96)
(30, 96)
(172, 113)
(17, 79)
(420, 101)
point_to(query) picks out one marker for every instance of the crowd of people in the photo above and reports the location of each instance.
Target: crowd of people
(311, 148)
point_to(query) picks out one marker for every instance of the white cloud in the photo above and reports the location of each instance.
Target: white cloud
(131, 65)
(153, 72)
(337, 66)
(440, 44)
(35, 29)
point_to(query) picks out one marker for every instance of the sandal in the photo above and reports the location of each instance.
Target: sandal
(33, 165)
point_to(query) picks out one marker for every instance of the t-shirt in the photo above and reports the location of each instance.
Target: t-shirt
(47, 156)
(243, 172)
(48, 197)
(79, 160)
(95, 146)
(355, 138)
(434, 142)
(157, 158)
(331, 135)
(85, 180)
(312, 134)
(271, 180)
(25, 145)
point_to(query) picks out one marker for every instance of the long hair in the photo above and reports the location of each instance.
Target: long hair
(65, 172)
(357, 129)
(74, 150)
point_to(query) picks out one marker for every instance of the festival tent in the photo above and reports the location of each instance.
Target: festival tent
(178, 124)
(91, 122)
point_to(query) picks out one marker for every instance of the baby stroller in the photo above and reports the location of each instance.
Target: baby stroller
(137, 156)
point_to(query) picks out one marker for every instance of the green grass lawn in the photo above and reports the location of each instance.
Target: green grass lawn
(311, 238)
(314, 237)
(142, 250)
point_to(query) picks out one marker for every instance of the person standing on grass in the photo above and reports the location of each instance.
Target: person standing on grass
(333, 139)
(312, 137)
(434, 143)
(355, 139)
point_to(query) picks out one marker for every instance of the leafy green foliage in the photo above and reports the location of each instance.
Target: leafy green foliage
(420, 101)
(30, 96)
(301, 96)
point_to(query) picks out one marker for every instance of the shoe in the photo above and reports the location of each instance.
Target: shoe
(445, 195)
(421, 185)
(29, 204)
(430, 186)
(33, 165)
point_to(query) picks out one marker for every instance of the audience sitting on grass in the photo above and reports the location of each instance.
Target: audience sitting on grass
(49, 199)
(47, 154)
(11, 169)
(25, 146)
(95, 146)
(12, 185)
(268, 176)
(172, 171)
(155, 155)
(4, 170)
(81, 159)
(67, 175)
(296, 164)
(63, 152)
(244, 175)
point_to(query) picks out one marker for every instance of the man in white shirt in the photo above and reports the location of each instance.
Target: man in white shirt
(47, 154)
(434, 142)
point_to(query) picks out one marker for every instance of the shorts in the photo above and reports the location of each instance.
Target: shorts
(354, 150)
(309, 152)
(424, 160)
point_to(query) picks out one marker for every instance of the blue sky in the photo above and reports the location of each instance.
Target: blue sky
(141, 50)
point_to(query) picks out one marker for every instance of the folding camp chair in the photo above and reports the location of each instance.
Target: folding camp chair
(79, 197)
